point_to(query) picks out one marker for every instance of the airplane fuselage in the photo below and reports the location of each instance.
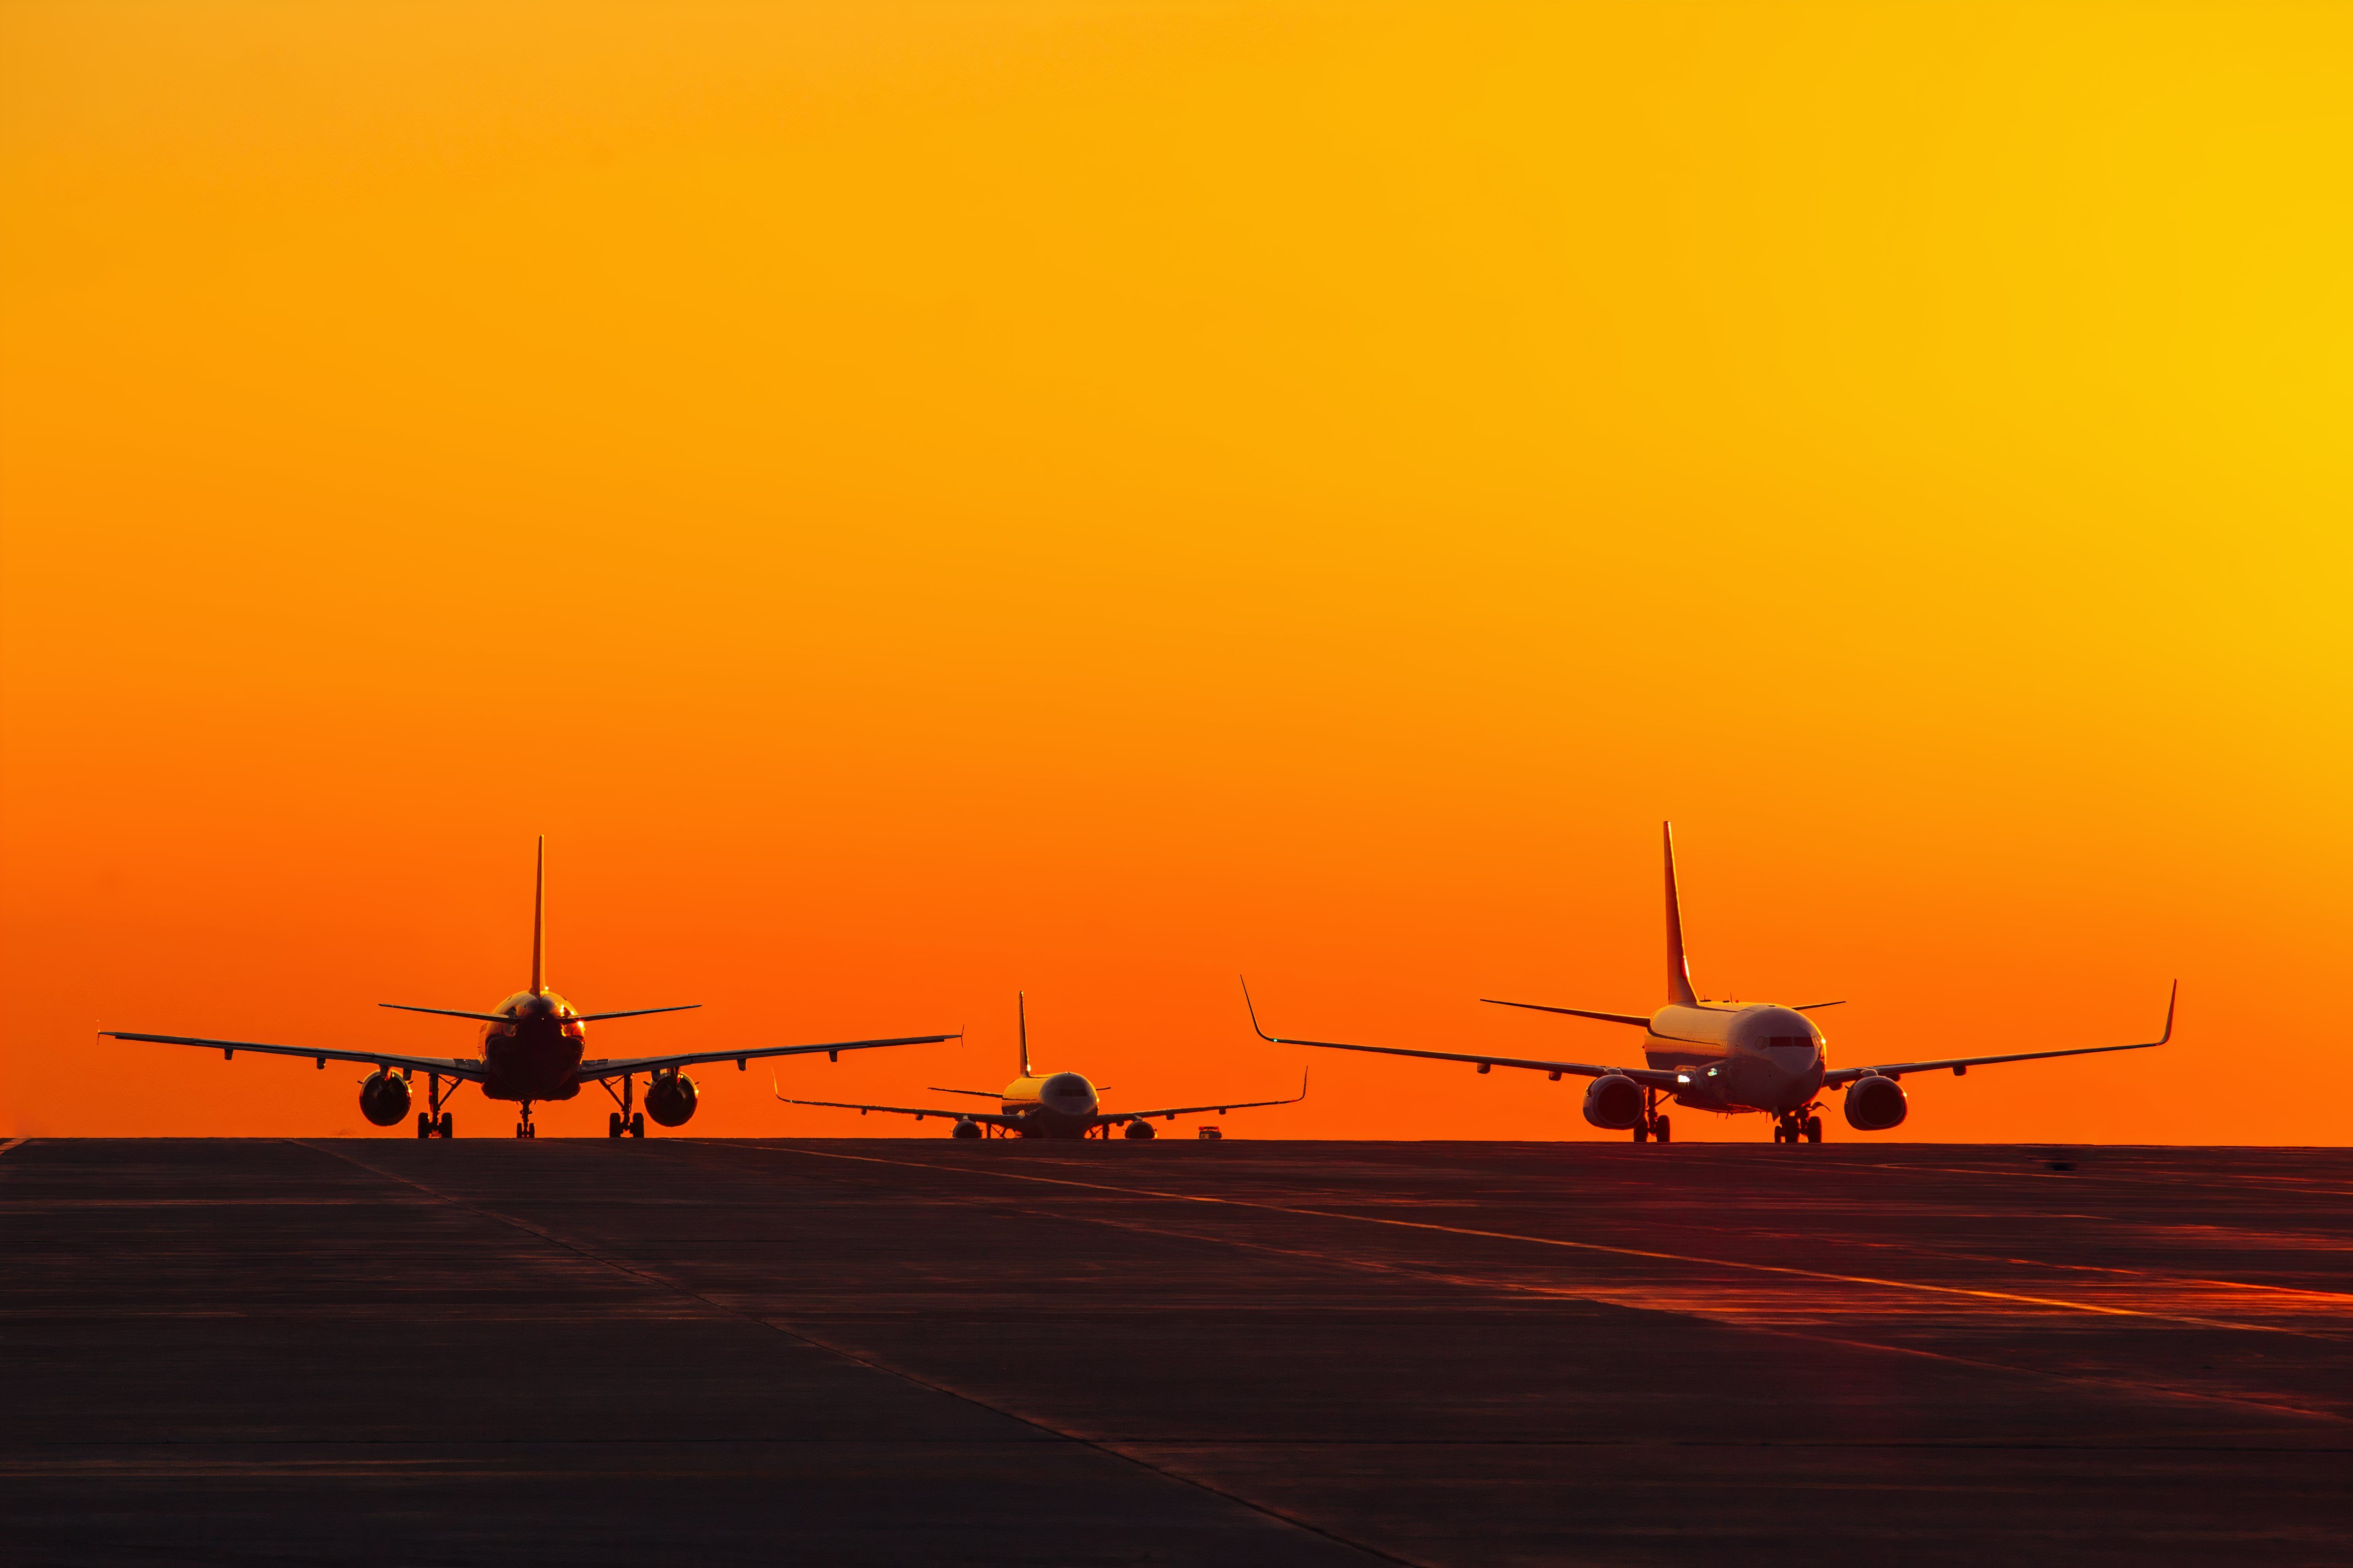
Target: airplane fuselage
(533, 1052)
(1738, 1057)
(1051, 1105)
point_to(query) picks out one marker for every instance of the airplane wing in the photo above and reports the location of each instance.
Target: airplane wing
(467, 1068)
(1170, 1113)
(1647, 1076)
(917, 1112)
(1845, 1075)
(613, 1066)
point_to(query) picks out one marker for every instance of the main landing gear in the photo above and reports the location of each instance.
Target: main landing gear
(435, 1122)
(1799, 1126)
(624, 1122)
(1653, 1124)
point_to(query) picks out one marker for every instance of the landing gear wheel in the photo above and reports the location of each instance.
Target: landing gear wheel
(423, 1125)
(1663, 1130)
(1780, 1133)
(638, 1124)
(613, 1125)
(448, 1124)
(1642, 1134)
(1813, 1129)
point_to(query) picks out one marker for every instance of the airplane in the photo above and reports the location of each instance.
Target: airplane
(1047, 1105)
(1724, 1056)
(533, 1046)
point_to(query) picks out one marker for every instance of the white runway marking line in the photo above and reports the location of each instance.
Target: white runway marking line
(1913, 1285)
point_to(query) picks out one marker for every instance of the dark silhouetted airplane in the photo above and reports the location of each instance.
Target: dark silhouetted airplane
(1047, 1105)
(1724, 1056)
(533, 1048)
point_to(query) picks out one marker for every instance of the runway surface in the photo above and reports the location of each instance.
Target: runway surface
(894, 1351)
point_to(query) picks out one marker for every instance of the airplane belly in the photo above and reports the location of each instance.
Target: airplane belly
(1040, 1121)
(522, 1068)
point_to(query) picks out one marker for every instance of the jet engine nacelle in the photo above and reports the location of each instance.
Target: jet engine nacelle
(1140, 1130)
(1614, 1101)
(1875, 1104)
(669, 1099)
(384, 1097)
(966, 1127)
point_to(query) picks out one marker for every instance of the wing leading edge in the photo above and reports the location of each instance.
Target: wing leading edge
(613, 1066)
(1845, 1075)
(467, 1068)
(1170, 1113)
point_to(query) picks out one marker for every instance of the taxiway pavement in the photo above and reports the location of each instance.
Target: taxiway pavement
(920, 1351)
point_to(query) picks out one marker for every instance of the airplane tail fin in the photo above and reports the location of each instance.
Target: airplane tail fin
(1679, 985)
(539, 922)
(1021, 1012)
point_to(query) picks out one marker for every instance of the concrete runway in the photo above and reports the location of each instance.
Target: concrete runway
(896, 1351)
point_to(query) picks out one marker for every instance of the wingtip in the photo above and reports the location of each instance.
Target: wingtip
(1256, 1027)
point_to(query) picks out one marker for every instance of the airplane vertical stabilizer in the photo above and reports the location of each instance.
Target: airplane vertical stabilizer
(539, 922)
(1021, 1011)
(1679, 985)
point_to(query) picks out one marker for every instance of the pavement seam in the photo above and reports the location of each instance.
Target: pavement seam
(791, 1331)
(1579, 1246)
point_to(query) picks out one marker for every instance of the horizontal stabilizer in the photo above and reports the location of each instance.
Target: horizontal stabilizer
(450, 1012)
(1640, 1023)
(634, 1012)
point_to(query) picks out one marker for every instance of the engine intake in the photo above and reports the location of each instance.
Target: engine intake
(384, 1097)
(670, 1099)
(1875, 1104)
(1139, 1129)
(1614, 1101)
(966, 1127)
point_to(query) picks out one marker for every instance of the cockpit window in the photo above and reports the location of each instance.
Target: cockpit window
(1782, 1042)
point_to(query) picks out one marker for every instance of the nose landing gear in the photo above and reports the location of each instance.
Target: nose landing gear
(523, 1128)
(1799, 1126)
(1653, 1124)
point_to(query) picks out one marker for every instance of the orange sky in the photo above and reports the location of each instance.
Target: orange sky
(917, 502)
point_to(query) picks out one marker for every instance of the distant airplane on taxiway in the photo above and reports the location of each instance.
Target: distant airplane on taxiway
(1047, 1105)
(533, 1046)
(1729, 1057)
